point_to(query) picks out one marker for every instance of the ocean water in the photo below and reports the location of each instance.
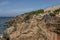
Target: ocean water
(2, 21)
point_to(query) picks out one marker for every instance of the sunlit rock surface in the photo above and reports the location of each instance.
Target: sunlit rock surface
(44, 26)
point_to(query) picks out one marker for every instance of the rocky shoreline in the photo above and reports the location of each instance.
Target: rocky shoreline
(42, 26)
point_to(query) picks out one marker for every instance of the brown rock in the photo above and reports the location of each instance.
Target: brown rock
(33, 27)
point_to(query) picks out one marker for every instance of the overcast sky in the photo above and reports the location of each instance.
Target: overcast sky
(17, 7)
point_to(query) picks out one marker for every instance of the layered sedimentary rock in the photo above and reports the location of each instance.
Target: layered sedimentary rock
(38, 26)
(33, 27)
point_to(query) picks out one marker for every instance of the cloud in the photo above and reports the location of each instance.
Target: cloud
(3, 3)
(17, 10)
(14, 12)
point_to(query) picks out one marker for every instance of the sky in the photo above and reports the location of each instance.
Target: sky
(17, 7)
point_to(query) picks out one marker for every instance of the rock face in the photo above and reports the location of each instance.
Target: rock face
(33, 27)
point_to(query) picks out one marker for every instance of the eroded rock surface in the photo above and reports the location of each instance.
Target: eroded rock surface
(32, 27)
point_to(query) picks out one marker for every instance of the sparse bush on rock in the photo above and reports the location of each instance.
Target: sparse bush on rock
(57, 10)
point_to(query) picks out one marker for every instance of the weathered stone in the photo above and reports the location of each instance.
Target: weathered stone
(33, 27)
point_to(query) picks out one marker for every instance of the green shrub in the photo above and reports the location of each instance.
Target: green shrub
(35, 12)
(56, 11)
(40, 11)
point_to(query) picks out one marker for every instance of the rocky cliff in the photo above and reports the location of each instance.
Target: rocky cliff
(33, 27)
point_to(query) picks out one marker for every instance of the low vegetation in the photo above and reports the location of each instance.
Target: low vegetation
(57, 10)
(35, 12)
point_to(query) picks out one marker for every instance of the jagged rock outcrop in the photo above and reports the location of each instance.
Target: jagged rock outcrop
(32, 27)
(41, 26)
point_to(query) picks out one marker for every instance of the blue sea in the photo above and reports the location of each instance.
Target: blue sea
(2, 21)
